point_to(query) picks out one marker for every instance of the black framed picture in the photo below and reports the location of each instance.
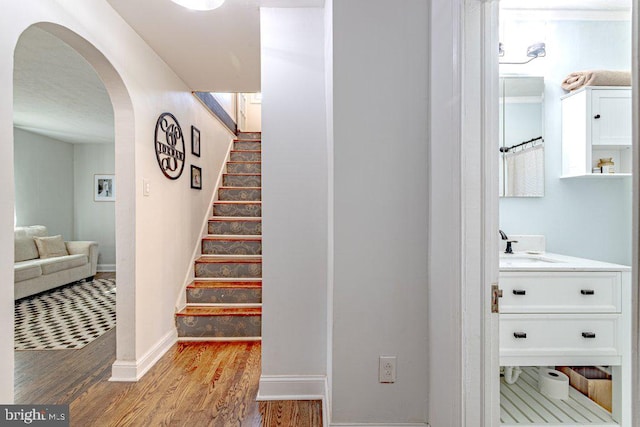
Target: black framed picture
(195, 141)
(196, 177)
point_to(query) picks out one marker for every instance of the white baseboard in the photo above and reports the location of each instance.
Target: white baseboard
(379, 425)
(286, 387)
(103, 268)
(132, 371)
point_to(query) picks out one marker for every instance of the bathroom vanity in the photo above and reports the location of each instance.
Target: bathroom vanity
(561, 310)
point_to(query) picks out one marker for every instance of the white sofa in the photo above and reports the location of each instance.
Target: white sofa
(33, 274)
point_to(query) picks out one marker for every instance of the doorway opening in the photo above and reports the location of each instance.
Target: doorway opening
(565, 161)
(72, 116)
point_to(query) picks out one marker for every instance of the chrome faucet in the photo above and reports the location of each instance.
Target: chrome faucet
(509, 249)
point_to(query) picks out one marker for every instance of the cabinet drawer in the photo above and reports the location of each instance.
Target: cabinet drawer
(557, 334)
(560, 292)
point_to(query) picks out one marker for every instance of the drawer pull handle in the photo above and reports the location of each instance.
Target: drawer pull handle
(519, 292)
(587, 292)
(520, 335)
(588, 335)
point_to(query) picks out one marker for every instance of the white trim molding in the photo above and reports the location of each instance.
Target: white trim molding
(288, 387)
(103, 268)
(381, 425)
(132, 371)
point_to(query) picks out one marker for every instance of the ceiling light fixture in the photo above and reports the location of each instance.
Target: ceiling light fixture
(199, 4)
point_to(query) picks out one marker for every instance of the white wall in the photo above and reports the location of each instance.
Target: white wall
(94, 220)
(294, 193)
(44, 182)
(585, 218)
(381, 177)
(156, 235)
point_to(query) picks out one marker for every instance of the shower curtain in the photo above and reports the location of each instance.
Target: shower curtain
(525, 172)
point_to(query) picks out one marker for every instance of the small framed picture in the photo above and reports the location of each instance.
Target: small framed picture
(196, 177)
(104, 188)
(195, 141)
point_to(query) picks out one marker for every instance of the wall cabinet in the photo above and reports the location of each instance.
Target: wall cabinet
(596, 124)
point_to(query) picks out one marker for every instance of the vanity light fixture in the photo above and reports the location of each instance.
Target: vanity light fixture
(199, 4)
(536, 50)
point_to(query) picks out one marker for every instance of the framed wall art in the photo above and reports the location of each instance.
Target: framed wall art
(104, 188)
(195, 141)
(196, 177)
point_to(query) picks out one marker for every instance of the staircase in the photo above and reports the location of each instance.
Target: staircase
(224, 302)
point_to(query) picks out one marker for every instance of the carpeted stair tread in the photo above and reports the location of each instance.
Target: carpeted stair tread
(246, 151)
(235, 218)
(238, 238)
(231, 202)
(220, 311)
(254, 162)
(248, 140)
(216, 259)
(239, 188)
(242, 174)
(217, 284)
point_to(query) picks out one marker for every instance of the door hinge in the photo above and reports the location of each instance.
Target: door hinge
(496, 294)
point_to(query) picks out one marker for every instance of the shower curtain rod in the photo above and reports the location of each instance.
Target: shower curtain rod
(507, 149)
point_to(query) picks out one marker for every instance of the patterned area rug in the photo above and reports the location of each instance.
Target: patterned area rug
(65, 318)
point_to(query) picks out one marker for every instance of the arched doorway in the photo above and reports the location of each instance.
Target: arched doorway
(124, 205)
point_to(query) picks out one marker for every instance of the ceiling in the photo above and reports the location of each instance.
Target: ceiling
(57, 93)
(212, 51)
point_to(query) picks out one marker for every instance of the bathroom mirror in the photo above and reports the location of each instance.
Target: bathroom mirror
(521, 136)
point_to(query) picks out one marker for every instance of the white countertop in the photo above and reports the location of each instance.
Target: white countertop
(547, 261)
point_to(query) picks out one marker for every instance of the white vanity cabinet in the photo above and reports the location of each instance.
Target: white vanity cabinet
(596, 123)
(571, 312)
(561, 318)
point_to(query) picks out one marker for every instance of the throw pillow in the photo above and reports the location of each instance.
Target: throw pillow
(25, 248)
(51, 246)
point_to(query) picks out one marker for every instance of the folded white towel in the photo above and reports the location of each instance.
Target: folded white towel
(596, 78)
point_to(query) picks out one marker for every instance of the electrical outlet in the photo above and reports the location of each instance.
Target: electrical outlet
(387, 369)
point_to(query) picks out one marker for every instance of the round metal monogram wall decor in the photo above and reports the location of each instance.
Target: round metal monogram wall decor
(169, 144)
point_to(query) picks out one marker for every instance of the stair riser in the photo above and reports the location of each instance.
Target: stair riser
(224, 296)
(249, 135)
(228, 269)
(247, 145)
(240, 194)
(216, 247)
(241, 181)
(219, 326)
(243, 167)
(244, 156)
(240, 209)
(243, 228)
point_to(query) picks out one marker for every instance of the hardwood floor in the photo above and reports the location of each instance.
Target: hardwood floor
(193, 384)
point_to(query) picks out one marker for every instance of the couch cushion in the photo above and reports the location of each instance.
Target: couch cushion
(25, 248)
(26, 270)
(50, 247)
(31, 231)
(53, 265)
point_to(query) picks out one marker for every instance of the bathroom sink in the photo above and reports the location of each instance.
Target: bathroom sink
(526, 259)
